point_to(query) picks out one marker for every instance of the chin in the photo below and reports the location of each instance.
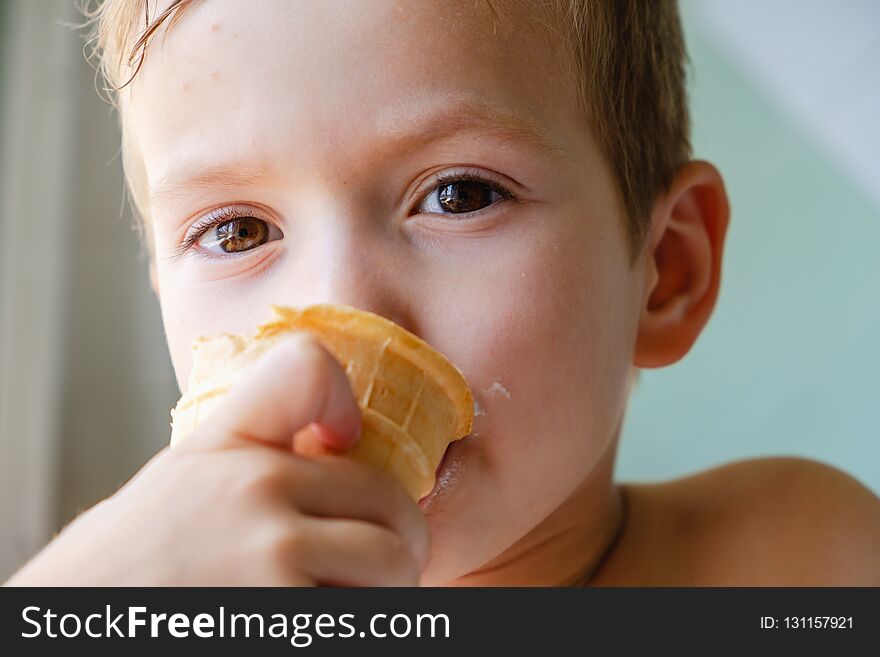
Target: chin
(463, 537)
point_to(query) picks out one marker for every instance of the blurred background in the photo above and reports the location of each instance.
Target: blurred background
(784, 96)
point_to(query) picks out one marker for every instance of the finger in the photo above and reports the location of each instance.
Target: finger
(341, 552)
(294, 384)
(341, 488)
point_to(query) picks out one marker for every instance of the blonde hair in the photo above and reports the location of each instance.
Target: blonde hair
(629, 70)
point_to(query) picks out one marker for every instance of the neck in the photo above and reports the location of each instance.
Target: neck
(569, 546)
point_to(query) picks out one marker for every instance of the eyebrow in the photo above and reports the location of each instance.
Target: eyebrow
(183, 177)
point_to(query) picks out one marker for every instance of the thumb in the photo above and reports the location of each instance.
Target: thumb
(295, 384)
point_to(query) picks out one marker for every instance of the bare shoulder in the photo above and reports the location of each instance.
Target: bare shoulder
(786, 521)
(760, 522)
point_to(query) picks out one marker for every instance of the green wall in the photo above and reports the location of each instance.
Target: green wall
(789, 362)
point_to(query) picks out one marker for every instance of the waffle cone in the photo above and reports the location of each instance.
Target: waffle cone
(413, 401)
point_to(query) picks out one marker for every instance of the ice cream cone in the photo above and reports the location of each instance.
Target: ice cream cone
(413, 401)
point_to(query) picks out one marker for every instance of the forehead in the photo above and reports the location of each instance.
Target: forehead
(319, 80)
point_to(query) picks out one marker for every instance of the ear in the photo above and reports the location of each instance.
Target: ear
(682, 264)
(154, 277)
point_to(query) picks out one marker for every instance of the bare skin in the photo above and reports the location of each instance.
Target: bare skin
(761, 522)
(327, 125)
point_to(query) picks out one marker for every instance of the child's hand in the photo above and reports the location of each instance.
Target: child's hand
(232, 505)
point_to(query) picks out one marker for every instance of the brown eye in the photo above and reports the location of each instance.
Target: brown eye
(465, 196)
(242, 234)
(462, 194)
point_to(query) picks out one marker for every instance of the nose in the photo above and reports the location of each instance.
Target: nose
(355, 267)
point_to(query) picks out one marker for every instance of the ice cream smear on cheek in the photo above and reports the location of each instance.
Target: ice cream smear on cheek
(497, 389)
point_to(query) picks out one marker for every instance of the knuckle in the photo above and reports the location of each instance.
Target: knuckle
(400, 563)
(401, 509)
(294, 542)
(397, 507)
(305, 362)
(261, 482)
(303, 355)
(315, 370)
(285, 549)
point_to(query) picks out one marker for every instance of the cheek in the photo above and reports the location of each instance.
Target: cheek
(548, 339)
(184, 318)
(544, 333)
(178, 329)
(194, 306)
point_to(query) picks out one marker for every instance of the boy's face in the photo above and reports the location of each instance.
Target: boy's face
(324, 127)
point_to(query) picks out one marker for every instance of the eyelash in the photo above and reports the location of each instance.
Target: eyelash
(211, 220)
(220, 216)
